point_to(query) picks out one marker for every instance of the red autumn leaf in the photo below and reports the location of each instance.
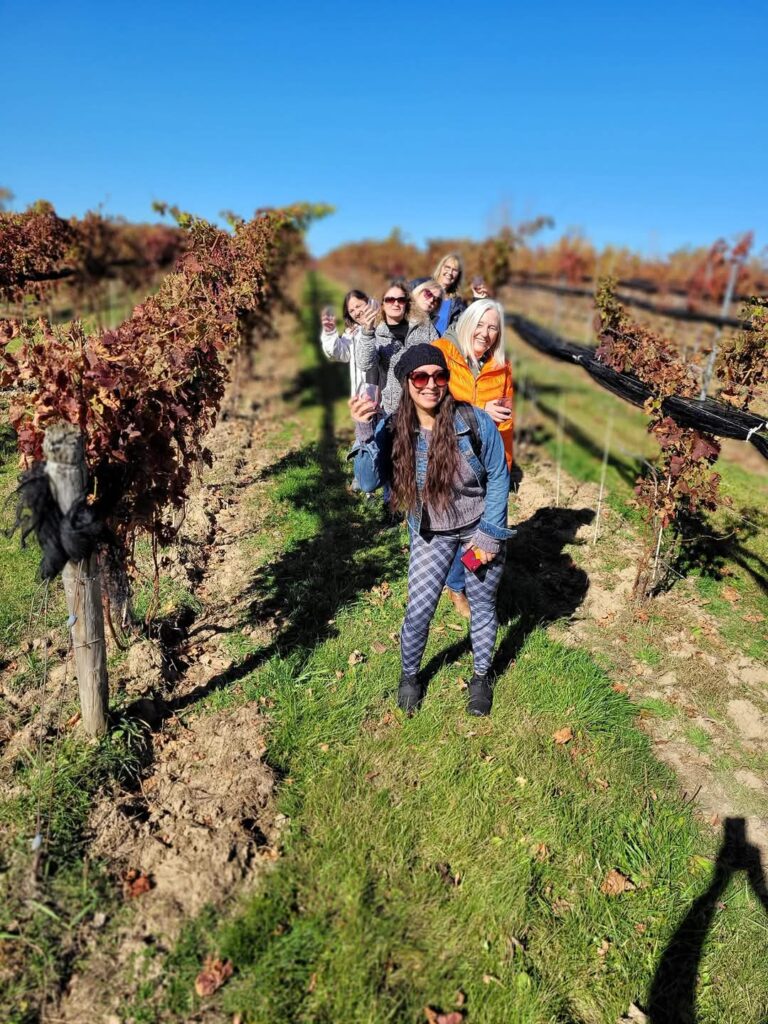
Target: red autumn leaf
(213, 975)
(136, 883)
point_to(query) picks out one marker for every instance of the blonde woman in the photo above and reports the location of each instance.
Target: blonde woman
(426, 297)
(481, 375)
(449, 273)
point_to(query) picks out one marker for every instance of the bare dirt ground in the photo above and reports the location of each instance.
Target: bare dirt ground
(201, 825)
(705, 704)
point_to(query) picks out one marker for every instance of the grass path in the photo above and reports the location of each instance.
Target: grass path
(440, 861)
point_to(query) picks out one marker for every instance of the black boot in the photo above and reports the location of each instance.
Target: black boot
(410, 694)
(480, 696)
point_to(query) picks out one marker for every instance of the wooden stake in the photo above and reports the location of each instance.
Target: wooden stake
(65, 467)
(559, 446)
(606, 452)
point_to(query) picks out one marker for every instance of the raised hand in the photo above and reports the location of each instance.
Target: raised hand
(498, 412)
(362, 410)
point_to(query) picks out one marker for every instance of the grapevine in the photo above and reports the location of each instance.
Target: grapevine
(145, 394)
(683, 485)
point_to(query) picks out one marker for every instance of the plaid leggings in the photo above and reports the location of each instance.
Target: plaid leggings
(431, 557)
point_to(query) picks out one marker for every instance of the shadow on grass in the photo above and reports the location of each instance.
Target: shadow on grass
(672, 998)
(541, 583)
(349, 549)
(707, 550)
(629, 469)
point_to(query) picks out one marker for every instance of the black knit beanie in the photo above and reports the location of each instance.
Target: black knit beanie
(416, 356)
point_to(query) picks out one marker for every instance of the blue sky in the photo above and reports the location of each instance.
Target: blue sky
(639, 124)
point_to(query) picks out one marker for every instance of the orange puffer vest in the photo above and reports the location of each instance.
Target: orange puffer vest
(492, 382)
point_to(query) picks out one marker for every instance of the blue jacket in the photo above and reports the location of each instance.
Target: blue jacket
(373, 469)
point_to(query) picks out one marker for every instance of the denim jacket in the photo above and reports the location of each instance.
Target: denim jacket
(373, 469)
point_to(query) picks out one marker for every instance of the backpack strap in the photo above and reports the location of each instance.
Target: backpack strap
(468, 414)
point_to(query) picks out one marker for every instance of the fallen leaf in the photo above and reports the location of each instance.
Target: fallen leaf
(72, 721)
(355, 658)
(455, 627)
(641, 928)
(620, 688)
(462, 683)
(325, 747)
(754, 617)
(370, 776)
(433, 1016)
(616, 882)
(446, 873)
(312, 982)
(634, 1016)
(460, 998)
(136, 883)
(541, 851)
(395, 638)
(714, 820)
(213, 975)
(488, 978)
(562, 736)
(731, 595)
(560, 907)
(603, 948)
(602, 784)
(339, 674)
(521, 781)
(378, 648)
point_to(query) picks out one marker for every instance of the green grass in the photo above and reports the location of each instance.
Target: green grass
(442, 853)
(732, 549)
(22, 595)
(40, 912)
(422, 856)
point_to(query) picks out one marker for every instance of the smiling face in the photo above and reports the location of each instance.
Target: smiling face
(431, 395)
(394, 303)
(486, 333)
(428, 297)
(449, 273)
(356, 307)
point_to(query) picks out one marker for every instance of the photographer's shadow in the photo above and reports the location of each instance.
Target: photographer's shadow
(672, 997)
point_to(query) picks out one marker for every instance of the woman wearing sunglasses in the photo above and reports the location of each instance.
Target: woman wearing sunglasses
(455, 499)
(482, 376)
(426, 297)
(386, 335)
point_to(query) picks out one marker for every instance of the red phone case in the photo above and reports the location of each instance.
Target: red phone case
(470, 560)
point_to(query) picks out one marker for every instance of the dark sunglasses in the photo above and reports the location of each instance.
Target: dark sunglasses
(420, 379)
(392, 301)
(428, 294)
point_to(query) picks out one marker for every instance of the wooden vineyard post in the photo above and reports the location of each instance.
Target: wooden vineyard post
(65, 467)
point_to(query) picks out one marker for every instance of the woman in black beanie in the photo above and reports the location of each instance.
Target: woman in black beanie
(445, 464)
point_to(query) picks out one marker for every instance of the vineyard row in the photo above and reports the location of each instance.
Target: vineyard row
(709, 415)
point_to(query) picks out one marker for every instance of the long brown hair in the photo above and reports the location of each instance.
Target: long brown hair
(442, 461)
